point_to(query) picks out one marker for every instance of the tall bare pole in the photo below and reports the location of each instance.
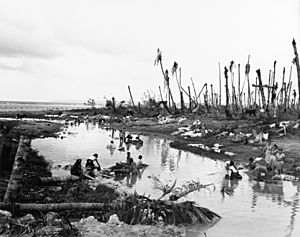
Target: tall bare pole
(247, 71)
(269, 88)
(289, 86)
(196, 99)
(227, 111)
(131, 96)
(190, 98)
(282, 87)
(261, 89)
(220, 84)
(212, 95)
(296, 60)
(239, 87)
(255, 91)
(273, 94)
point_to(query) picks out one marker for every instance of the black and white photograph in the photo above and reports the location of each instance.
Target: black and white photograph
(152, 118)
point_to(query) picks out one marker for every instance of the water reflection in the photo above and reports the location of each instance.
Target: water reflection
(270, 190)
(228, 187)
(294, 209)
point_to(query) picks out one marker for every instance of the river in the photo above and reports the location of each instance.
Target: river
(254, 208)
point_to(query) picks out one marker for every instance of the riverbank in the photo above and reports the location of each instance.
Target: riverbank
(237, 139)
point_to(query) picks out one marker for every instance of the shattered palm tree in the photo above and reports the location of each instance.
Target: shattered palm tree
(158, 60)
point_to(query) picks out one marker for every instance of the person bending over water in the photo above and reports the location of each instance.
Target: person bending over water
(258, 171)
(233, 173)
(90, 166)
(76, 168)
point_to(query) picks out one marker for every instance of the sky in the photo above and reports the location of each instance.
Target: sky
(54, 50)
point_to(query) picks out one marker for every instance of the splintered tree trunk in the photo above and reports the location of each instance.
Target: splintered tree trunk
(220, 84)
(227, 112)
(289, 86)
(282, 87)
(113, 103)
(273, 85)
(284, 96)
(182, 102)
(190, 98)
(239, 88)
(269, 88)
(196, 98)
(247, 71)
(261, 89)
(17, 172)
(255, 91)
(212, 95)
(131, 96)
(296, 60)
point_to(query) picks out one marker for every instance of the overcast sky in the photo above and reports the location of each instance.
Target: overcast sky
(73, 50)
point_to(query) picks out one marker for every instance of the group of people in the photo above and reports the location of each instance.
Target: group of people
(274, 157)
(134, 167)
(273, 163)
(90, 167)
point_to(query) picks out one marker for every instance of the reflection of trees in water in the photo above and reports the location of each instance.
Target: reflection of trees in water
(178, 157)
(164, 152)
(277, 194)
(87, 125)
(167, 160)
(113, 133)
(275, 191)
(150, 144)
(295, 209)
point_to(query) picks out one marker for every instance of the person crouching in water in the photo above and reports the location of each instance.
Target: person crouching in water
(76, 169)
(233, 173)
(90, 166)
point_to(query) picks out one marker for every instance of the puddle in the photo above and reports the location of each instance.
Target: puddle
(252, 209)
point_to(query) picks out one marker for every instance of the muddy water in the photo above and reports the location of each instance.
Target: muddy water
(253, 209)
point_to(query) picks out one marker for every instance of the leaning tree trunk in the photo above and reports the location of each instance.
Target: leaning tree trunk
(17, 171)
(296, 60)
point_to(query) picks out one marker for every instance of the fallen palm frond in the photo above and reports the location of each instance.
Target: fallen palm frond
(167, 189)
(136, 209)
(187, 188)
(178, 192)
(14, 227)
